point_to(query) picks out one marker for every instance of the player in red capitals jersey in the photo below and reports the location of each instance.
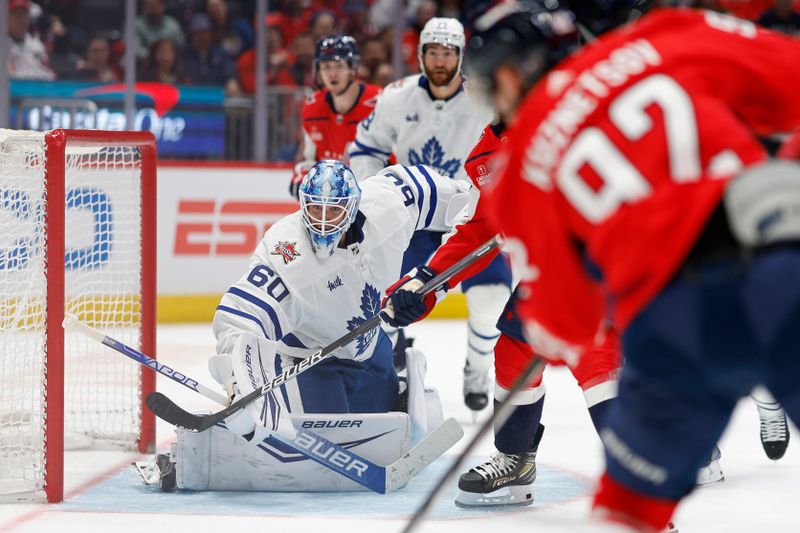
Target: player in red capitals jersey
(517, 439)
(633, 171)
(331, 115)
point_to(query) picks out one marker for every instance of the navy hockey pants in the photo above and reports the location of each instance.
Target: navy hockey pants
(342, 385)
(704, 342)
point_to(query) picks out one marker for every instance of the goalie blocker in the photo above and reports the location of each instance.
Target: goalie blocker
(220, 460)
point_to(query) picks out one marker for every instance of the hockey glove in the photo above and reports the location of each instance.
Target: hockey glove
(403, 305)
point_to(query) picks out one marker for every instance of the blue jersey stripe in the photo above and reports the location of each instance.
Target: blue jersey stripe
(484, 337)
(370, 149)
(242, 314)
(420, 192)
(366, 154)
(262, 305)
(432, 203)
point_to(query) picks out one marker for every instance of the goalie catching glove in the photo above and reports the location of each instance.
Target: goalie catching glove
(403, 305)
(252, 364)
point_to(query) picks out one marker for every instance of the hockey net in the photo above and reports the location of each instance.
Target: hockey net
(77, 212)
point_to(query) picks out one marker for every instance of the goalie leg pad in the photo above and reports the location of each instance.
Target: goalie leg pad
(219, 460)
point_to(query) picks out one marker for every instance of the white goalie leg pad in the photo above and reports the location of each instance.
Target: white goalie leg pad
(253, 365)
(485, 303)
(424, 406)
(510, 495)
(219, 460)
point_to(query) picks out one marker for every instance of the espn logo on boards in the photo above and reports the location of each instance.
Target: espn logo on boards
(225, 227)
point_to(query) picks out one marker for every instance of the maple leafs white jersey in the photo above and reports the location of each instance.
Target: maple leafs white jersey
(418, 130)
(304, 303)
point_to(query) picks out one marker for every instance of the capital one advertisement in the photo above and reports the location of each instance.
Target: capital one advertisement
(187, 122)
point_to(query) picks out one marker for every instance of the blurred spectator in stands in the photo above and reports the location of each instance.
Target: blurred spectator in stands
(291, 16)
(384, 75)
(301, 60)
(27, 57)
(425, 11)
(155, 24)
(781, 18)
(233, 34)
(206, 63)
(321, 24)
(278, 59)
(450, 8)
(373, 55)
(162, 64)
(97, 65)
(354, 17)
(63, 46)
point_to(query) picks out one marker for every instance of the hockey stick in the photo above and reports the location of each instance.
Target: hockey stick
(168, 410)
(499, 417)
(380, 479)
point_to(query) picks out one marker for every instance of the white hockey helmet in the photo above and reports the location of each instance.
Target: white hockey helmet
(444, 31)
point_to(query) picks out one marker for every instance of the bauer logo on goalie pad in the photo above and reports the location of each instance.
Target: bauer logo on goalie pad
(318, 424)
(337, 457)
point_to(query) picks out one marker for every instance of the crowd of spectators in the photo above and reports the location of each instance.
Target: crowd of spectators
(211, 42)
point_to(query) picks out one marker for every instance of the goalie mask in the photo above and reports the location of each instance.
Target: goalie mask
(443, 31)
(329, 198)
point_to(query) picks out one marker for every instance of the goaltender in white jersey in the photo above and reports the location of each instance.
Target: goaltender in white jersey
(319, 273)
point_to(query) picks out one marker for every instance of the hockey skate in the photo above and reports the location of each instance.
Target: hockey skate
(476, 388)
(711, 472)
(774, 432)
(505, 479)
(160, 470)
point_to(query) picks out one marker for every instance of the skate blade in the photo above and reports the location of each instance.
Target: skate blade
(512, 496)
(710, 474)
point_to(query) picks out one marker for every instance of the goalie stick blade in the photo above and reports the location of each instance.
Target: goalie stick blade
(169, 411)
(423, 454)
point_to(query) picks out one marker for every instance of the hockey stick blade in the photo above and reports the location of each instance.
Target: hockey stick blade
(167, 410)
(430, 448)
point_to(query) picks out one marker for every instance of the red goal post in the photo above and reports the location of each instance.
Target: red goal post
(78, 211)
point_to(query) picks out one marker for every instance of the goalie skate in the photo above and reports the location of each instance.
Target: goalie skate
(506, 479)
(159, 470)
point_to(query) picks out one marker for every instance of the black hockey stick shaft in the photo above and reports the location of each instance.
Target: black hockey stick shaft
(499, 418)
(169, 411)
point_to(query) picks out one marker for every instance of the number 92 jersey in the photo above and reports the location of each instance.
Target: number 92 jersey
(304, 303)
(620, 155)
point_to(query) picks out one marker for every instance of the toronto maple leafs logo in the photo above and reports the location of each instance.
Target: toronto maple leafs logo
(433, 156)
(370, 305)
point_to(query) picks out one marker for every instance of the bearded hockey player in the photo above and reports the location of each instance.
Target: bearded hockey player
(431, 119)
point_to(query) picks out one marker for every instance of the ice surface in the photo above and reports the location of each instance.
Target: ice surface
(104, 496)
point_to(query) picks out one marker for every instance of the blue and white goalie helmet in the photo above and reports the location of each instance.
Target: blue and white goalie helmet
(329, 198)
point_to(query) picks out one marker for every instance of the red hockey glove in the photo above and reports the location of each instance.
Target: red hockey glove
(299, 172)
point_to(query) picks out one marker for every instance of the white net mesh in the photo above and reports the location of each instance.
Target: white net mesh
(22, 312)
(102, 288)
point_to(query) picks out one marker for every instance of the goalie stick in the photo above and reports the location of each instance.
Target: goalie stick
(380, 479)
(169, 411)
